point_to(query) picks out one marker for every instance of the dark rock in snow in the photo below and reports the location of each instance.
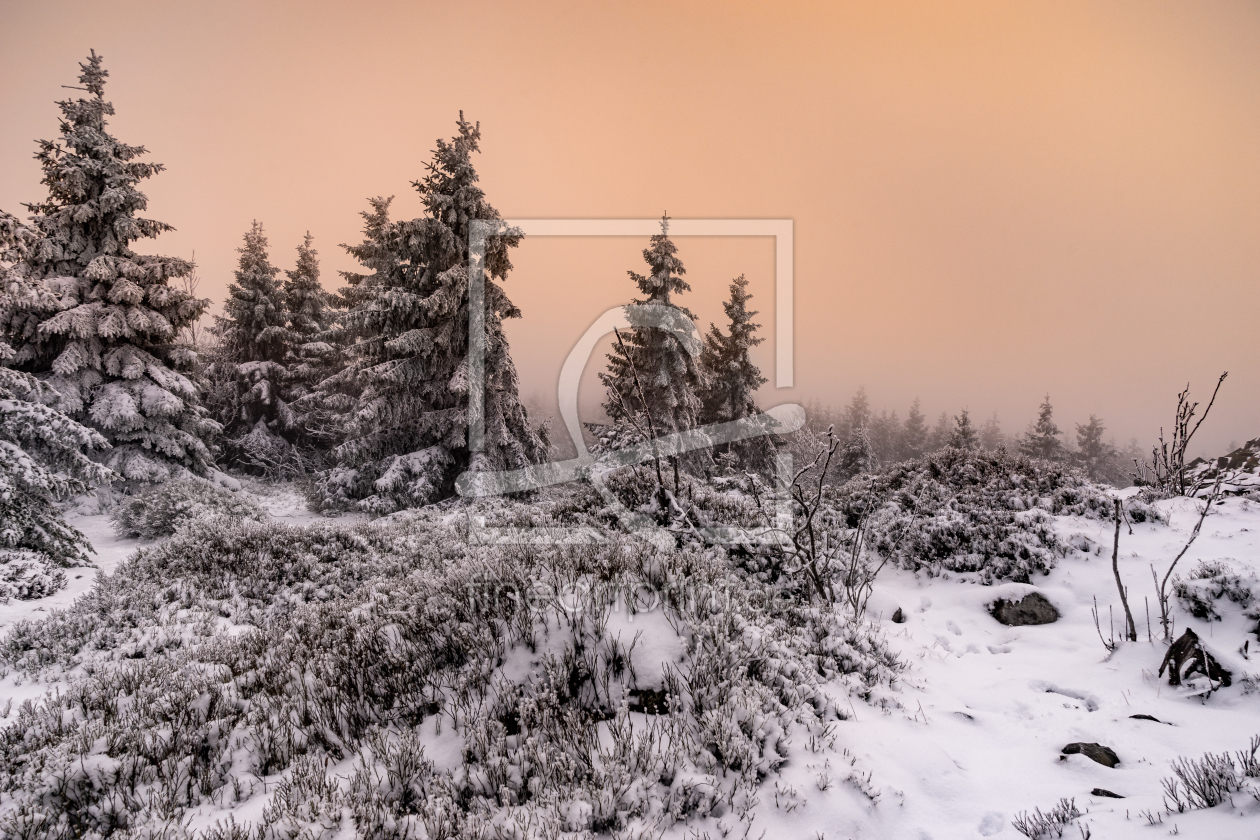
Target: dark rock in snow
(1187, 656)
(1033, 608)
(1103, 755)
(1105, 792)
(899, 617)
(1145, 717)
(649, 702)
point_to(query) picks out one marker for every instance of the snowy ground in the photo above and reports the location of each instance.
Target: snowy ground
(985, 708)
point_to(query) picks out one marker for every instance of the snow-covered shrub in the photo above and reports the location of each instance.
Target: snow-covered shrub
(161, 509)
(969, 511)
(1052, 823)
(1201, 783)
(26, 575)
(1209, 582)
(334, 642)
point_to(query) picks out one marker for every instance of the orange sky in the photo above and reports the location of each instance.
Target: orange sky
(991, 200)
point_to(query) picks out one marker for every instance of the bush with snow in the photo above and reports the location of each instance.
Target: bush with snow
(263, 649)
(1209, 582)
(970, 511)
(162, 509)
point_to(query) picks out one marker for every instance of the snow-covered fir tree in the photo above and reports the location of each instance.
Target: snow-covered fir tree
(407, 433)
(1098, 457)
(314, 353)
(255, 344)
(671, 380)
(857, 415)
(731, 378)
(43, 453)
(857, 455)
(914, 436)
(1042, 438)
(991, 437)
(885, 433)
(941, 432)
(98, 321)
(43, 460)
(964, 435)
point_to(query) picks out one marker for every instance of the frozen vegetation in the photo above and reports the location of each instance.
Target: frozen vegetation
(251, 677)
(925, 631)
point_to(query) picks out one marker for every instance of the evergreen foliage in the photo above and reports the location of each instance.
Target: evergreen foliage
(255, 314)
(314, 353)
(964, 435)
(255, 344)
(43, 460)
(731, 379)
(1099, 458)
(670, 378)
(407, 331)
(1042, 438)
(93, 318)
(991, 437)
(914, 437)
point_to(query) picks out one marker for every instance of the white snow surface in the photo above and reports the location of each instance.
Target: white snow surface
(985, 709)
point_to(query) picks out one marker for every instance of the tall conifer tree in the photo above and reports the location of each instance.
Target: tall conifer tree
(255, 344)
(313, 354)
(914, 437)
(1042, 438)
(731, 378)
(99, 322)
(407, 434)
(669, 377)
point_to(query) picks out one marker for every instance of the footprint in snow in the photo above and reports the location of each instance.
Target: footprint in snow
(953, 628)
(992, 824)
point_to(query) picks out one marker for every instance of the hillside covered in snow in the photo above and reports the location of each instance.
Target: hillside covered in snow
(265, 673)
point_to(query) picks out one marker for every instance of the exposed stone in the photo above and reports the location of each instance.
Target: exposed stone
(1105, 792)
(899, 617)
(649, 702)
(1145, 717)
(1105, 756)
(1033, 608)
(1187, 656)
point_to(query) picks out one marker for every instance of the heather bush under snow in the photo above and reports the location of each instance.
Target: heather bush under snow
(162, 509)
(248, 653)
(1209, 582)
(970, 511)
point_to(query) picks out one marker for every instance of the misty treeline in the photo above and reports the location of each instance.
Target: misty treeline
(872, 441)
(364, 391)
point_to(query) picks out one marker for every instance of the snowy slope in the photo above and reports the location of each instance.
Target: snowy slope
(987, 708)
(984, 709)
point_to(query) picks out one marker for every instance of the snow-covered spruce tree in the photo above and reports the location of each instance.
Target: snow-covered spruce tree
(1042, 438)
(732, 380)
(670, 379)
(886, 437)
(43, 460)
(314, 353)
(964, 435)
(254, 332)
(407, 433)
(1097, 457)
(991, 437)
(857, 456)
(914, 437)
(856, 416)
(939, 437)
(98, 321)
